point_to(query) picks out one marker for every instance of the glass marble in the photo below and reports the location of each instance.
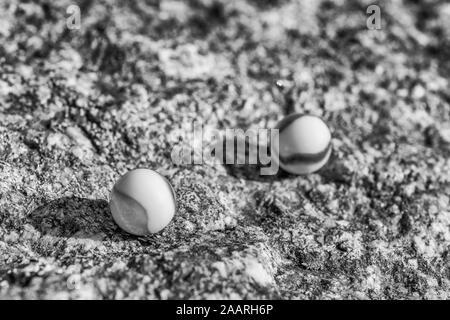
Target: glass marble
(142, 202)
(304, 144)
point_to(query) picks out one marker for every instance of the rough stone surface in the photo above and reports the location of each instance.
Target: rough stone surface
(79, 108)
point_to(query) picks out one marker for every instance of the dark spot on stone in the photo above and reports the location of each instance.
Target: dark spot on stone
(405, 224)
(67, 216)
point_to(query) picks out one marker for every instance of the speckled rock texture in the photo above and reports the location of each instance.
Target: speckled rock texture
(79, 108)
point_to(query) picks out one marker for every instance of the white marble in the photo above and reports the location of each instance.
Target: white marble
(142, 202)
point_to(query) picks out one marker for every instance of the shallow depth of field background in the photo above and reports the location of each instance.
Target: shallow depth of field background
(79, 108)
